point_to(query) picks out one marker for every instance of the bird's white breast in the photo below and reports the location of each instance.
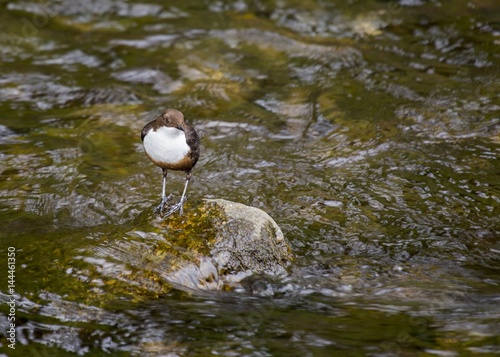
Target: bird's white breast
(166, 145)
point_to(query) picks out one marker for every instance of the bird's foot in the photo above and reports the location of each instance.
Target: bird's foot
(163, 204)
(177, 207)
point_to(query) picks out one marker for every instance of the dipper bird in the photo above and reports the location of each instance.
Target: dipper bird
(172, 145)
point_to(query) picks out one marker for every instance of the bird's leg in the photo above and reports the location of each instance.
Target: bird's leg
(164, 198)
(183, 197)
(178, 206)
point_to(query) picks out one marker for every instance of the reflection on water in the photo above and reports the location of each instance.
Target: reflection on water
(369, 131)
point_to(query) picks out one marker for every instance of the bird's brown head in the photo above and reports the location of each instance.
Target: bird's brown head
(172, 117)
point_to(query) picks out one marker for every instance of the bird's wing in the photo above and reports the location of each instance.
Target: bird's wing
(146, 128)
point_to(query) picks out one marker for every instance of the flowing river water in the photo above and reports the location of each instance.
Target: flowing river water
(369, 130)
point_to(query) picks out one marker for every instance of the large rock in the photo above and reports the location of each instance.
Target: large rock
(247, 241)
(216, 245)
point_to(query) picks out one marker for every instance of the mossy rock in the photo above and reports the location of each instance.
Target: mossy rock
(215, 245)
